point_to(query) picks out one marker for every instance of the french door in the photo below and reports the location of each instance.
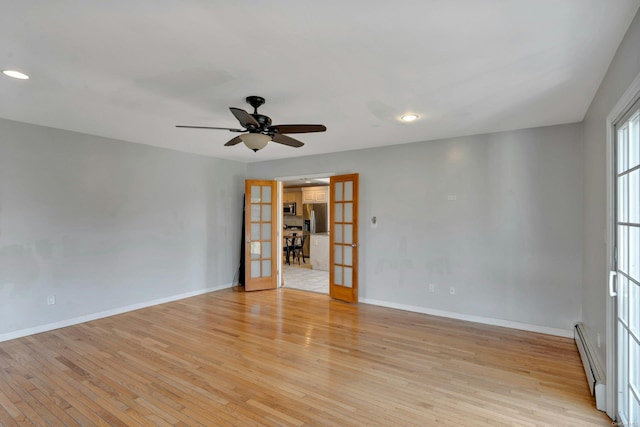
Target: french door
(260, 228)
(343, 238)
(627, 266)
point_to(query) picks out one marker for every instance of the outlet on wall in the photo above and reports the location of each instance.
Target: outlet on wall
(452, 290)
(432, 287)
(51, 299)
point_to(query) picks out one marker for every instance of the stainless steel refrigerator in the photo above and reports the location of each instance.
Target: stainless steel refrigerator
(316, 221)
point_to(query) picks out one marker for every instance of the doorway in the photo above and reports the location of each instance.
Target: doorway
(305, 233)
(264, 224)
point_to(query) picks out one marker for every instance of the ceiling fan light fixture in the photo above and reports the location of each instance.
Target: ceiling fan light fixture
(408, 117)
(15, 74)
(255, 141)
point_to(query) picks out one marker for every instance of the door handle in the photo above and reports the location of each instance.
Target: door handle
(612, 275)
(354, 245)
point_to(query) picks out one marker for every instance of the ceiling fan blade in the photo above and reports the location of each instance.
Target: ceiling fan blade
(209, 127)
(234, 141)
(286, 140)
(298, 128)
(245, 118)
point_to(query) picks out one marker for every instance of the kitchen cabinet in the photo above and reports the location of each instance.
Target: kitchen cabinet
(315, 194)
(288, 197)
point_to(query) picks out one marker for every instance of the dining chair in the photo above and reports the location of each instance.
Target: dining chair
(298, 248)
(288, 247)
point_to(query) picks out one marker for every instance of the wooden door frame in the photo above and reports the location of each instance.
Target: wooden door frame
(624, 103)
(342, 293)
(260, 283)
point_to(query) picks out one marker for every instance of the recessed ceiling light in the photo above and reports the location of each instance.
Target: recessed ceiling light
(15, 74)
(408, 117)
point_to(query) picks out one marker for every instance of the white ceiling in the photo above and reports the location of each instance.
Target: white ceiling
(132, 70)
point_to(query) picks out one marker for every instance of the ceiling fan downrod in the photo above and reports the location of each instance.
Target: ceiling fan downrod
(255, 102)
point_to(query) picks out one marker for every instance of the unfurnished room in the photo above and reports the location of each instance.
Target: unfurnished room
(290, 213)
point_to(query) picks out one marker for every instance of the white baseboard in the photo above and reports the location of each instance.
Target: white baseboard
(566, 333)
(593, 367)
(94, 316)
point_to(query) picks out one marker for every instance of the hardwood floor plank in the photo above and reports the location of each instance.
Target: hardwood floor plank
(290, 358)
(10, 417)
(72, 391)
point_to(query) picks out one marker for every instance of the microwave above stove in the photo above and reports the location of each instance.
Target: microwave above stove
(289, 209)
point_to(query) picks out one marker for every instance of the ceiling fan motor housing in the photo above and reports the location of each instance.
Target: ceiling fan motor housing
(263, 120)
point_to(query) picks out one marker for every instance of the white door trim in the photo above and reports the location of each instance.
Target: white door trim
(624, 103)
(280, 219)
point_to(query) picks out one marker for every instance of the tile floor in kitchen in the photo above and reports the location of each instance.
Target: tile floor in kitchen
(301, 276)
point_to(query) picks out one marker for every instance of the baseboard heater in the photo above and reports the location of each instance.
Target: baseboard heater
(592, 365)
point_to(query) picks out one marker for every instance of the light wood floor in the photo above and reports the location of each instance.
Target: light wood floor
(290, 357)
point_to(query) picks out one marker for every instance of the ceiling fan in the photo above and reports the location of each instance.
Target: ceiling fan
(259, 129)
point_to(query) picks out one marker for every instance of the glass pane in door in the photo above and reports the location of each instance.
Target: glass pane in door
(634, 142)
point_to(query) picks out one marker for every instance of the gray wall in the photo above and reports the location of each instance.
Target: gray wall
(103, 224)
(623, 69)
(511, 243)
